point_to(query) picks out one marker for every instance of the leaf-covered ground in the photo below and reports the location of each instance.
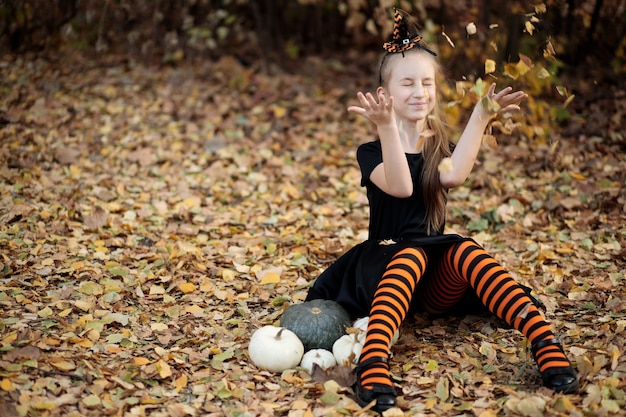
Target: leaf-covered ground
(152, 218)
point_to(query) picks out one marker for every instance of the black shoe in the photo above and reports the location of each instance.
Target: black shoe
(384, 395)
(563, 380)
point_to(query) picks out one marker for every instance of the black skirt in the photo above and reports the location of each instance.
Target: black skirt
(352, 280)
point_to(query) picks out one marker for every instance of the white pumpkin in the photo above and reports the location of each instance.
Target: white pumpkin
(362, 323)
(347, 349)
(275, 348)
(322, 357)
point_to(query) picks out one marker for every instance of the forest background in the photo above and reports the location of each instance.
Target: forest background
(173, 174)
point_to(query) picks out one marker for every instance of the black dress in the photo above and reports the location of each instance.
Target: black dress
(353, 278)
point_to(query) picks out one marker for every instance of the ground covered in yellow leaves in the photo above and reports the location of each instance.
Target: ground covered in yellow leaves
(152, 218)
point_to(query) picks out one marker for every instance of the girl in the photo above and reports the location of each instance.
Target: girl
(407, 262)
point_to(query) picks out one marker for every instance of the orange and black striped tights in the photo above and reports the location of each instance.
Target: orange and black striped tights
(463, 266)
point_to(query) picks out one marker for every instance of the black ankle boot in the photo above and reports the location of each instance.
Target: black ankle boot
(563, 380)
(384, 395)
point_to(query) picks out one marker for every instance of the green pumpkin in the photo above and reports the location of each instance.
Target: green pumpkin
(318, 323)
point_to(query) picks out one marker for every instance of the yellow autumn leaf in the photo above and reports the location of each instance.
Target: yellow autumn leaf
(75, 266)
(270, 278)
(91, 400)
(63, 365)
(490, 141)
(562, 91)
(490, 66)
(93, 335)
(194, 309)
(471, 28)
(530, 28)
(158, 327)
(141, 361)
(43, 405)
(279, 111)
(568, 100)
(445, 165)
(430, 403)
(83, 305)
(45, 312)
(65, 312)
(180, 383)
(543, 73)
(157, 290)
(6, 385)
(113, 349)
(164, 369)
(47, 262)
(522, 67)
(9, 338)
(511, 70)
(186, 287)
(228, 274)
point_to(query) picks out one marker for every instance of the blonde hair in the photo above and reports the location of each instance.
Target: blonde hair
(436, 144)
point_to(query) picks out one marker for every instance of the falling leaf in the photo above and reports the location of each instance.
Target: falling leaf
(445, 165)
(490, 141)
(490, 66)
(471, 28)
(543, 73)
(489, 104)
(448, 39)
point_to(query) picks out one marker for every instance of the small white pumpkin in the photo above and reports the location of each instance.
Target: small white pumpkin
(322, 357)
(275, 348)
(362, 323)
(347, 349)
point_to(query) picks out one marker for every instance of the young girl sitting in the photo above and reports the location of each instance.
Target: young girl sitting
(407, 263)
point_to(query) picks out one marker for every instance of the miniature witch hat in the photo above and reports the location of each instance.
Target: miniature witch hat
(401, 39)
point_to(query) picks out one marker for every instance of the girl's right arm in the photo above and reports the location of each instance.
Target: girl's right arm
(392, 175)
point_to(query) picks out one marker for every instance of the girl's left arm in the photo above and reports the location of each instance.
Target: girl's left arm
(466, 149)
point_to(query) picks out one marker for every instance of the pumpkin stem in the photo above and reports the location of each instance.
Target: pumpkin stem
(279, 334)
(316, 310)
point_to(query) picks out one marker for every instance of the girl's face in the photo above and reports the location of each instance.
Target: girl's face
(412, 86)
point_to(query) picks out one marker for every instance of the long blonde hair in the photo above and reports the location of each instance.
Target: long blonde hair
(436, 145)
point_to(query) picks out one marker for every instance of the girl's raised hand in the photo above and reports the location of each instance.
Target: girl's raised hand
(378, 112)
(504, 101)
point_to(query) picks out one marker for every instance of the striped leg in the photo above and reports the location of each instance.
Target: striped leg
(390, 305)
(468, 265)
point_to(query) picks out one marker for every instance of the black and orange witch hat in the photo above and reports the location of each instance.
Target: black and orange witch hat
(401, 39)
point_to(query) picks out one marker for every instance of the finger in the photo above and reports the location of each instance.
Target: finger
(356, 109)
(502, 93)
(361, 98)
(371, 100)
(514, 98)
(491, 90)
